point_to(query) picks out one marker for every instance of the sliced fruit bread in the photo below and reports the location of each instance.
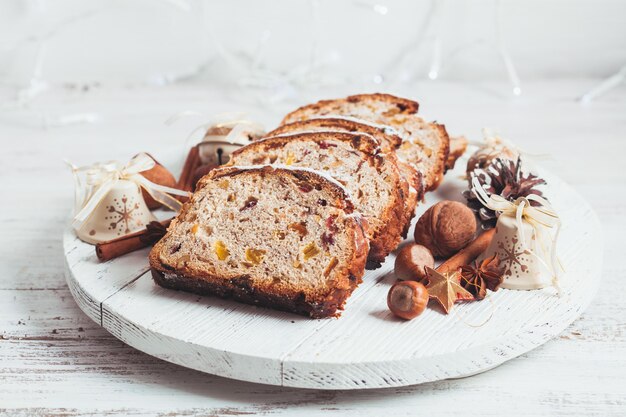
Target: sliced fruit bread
(425, 145)
(372, 180)
(282, 238)
(387, 137)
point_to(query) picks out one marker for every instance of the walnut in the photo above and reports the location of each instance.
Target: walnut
(445, 228)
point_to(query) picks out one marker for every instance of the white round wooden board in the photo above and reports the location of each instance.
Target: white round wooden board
(367, 347)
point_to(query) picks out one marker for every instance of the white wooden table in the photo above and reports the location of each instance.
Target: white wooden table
(55, 361)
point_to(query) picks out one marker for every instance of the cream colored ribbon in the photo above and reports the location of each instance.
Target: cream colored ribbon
(101, 177)
(236, 121)
(539, 217)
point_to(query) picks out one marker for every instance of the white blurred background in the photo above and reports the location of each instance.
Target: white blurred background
(285, 46)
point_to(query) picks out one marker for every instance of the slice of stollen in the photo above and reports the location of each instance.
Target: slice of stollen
(388, 139)
(278, 237)
(425, 145)
(372, 179)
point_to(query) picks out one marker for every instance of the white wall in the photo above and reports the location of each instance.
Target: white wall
(122, 42)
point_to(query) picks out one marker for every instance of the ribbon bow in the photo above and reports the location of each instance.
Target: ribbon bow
(541, 216)
(101, 177)
(236, 121)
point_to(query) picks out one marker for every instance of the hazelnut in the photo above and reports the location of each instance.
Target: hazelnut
(411, 261)
(160, 175)
(446, 228)
(407, 299)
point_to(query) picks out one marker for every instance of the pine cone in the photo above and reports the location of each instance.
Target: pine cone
(501, 177)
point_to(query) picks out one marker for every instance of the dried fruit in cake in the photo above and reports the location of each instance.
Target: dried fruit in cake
(354, 160)
(425, 145)
(388, 139)
(251, 255)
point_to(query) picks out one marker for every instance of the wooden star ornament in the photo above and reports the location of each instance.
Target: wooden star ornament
(445, 288)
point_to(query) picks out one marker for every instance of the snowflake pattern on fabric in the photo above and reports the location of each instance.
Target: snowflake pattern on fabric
(122, 215)
(513, 256)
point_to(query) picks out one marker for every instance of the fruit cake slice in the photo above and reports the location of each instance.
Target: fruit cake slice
(425, 145)
(387, 136)
(354, 160)
(458, 146)
(283, 238)
(389, 141)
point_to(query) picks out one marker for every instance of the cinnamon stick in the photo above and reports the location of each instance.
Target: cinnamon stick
(185, 182)
(468, 253)
(114, 248)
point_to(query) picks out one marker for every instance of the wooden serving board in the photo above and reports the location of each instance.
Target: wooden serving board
(367, 347)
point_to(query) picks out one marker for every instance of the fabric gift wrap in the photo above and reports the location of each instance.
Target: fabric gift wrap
(108, 201)
(222, 139)
(525, 240)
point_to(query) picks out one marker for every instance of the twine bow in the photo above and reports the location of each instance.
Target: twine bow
(539, 217)
(101, 177)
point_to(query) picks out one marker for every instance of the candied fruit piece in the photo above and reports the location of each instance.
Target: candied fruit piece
(255, 256)
(300, 228)
(279, 234)
(310, 251)
(305, 187)
(296, 263)
(327, 239)
(194, 228)
(330, 224)
(220, 250)
(258, 160)
(182, 260)
(331, 265)
(325, 145)
(290, 159)
(223, 184)
(250, 202)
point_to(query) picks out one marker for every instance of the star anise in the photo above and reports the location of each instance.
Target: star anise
(482, 276)
(154, 232)
(503, 177)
